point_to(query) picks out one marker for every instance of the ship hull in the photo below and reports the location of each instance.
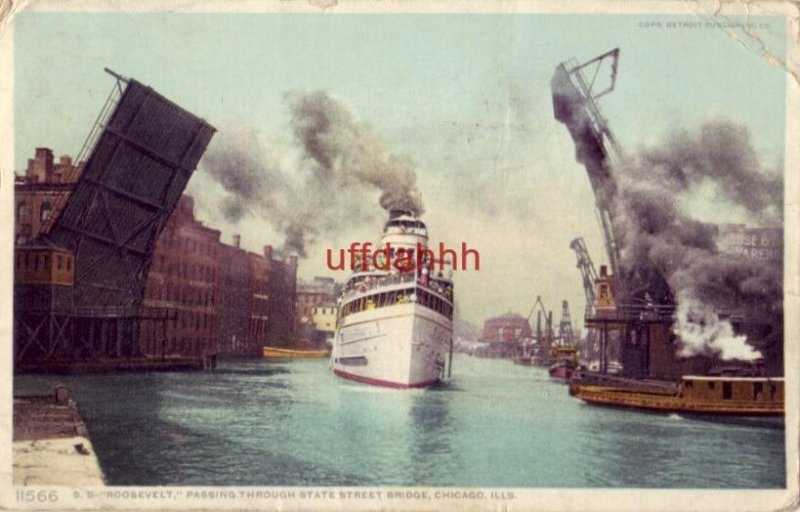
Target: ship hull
(619, 397)
(400, 346)
(561, 372)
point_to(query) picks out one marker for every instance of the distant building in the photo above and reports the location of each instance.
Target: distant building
(324, 319)
(316, 307)
(503, 333)
(282, 291)
(765, 244)
(40, 194)
(508, 328)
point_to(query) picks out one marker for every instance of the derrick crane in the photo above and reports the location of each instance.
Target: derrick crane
(575, 95)
(633, 288)
(586, 266)
(565, 325)
(548, 316)
(574, 104)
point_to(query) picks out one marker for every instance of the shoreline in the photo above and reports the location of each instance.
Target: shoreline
(51, 445)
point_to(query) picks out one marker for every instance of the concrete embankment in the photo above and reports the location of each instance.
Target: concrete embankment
(51, 445)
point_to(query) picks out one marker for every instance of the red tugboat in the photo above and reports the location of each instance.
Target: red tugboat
(565, 362)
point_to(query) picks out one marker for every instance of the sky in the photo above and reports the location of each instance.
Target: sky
(465, 98)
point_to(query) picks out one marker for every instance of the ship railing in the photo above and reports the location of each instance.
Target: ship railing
(371, 284)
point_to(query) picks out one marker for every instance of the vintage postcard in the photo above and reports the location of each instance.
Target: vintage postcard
(434, 255)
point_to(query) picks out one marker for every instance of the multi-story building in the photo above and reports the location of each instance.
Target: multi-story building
(181, 297)
(324, 319)
(508, 328)
(764, 244)
(201, 297)
(41, 192)
(236, 293)
(316, 305)
(503, 333)
(282, 292)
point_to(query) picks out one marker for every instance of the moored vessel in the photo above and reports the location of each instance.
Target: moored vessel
(708, 395)
(290, 353)
(395, 315)
(565, 362)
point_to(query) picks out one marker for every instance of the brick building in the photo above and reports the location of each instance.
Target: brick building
(201, 296)
(181, 298)
(282, 292)
(508, 328)
(41, 192)
(235, 291)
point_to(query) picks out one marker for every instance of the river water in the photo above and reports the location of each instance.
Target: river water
(495, 424)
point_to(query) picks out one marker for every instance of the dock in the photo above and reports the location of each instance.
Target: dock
(51, 444)
(109, 365)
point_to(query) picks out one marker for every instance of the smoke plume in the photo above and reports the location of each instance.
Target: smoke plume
(654, 232)
(320, 185)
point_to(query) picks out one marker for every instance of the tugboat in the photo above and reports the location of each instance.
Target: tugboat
(394, 325)
(565, 362)
(706, 395)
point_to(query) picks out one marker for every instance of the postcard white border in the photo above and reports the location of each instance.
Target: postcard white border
(527, 499)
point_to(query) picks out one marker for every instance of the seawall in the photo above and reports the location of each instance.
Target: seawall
(51, 444)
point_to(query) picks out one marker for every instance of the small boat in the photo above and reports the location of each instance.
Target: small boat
(706, 395)
(291, 353)
(565, 362)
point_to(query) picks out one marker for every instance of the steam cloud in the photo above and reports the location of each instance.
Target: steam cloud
(321, 189)
(656, 233)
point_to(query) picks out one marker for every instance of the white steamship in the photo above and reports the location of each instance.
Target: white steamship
(395, 323)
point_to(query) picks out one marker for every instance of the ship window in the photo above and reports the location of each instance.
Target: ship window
(727, 391)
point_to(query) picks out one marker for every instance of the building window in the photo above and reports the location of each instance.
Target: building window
(23, 211)
(59, 262)
(46, 211)
(69, 263)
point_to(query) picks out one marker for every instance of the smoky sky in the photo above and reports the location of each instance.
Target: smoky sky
(322, 184)
(654, 230)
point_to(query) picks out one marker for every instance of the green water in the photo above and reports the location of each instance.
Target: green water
(494, 425)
